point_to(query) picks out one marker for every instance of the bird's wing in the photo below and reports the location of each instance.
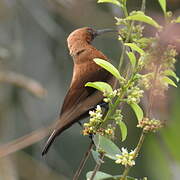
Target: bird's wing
(78, 92)
(80, 98)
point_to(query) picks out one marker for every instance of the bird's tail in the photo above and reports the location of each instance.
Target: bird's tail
(49, 142)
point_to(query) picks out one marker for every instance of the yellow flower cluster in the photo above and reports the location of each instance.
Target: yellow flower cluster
(150, 125)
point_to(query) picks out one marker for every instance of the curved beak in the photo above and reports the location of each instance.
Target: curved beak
(103, 31)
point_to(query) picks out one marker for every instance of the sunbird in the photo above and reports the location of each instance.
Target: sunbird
(80, 99)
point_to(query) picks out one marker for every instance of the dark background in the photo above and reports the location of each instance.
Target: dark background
(33, 43)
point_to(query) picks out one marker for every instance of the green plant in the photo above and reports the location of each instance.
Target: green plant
(150, 69)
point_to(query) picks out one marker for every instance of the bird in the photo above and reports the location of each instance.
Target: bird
(80, 99)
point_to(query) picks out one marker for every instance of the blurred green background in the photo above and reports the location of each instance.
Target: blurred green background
(33, 44)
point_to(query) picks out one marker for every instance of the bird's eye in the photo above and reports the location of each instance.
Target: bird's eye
(92, 33)
(90, 30)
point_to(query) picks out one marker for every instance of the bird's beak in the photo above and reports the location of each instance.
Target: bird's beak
(103, 31)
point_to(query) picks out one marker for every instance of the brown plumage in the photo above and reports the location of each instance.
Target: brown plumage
(80, 99)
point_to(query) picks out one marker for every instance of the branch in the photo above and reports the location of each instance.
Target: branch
(22, 81)
(97, 167)
(83, 161)
(24, 141)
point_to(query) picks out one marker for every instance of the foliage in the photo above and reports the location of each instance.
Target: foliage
(150, 70)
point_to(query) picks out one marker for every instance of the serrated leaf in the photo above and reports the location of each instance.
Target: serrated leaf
(132, 59)
(169, 81)
(123, 129)
(138, 111)
(107, 145)
(101, 86)
(135, 48)
(109, 67)
(140, 16)
(171, 73)
(99, 175)
(116, 2)
(163, 5)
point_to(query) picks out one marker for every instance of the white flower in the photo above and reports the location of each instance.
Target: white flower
(92, 113)
(125, 158)
(98, 108)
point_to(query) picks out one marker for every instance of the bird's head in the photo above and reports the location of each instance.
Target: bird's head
(86, 35)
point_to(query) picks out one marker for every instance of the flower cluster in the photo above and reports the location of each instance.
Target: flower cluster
(93, 126)
(144, 42)
(159, 55)
(121, 21)
(134, 94)
(108, 132)
(125, 158)
(141, 62)
(136, 30)
(159, 63)
(137, 33)
(150, 125)
(117, 116)
(109, 96)
(94, 122)
(146, 80)
(169, 57)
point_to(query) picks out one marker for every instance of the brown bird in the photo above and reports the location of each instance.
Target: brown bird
(80, 99)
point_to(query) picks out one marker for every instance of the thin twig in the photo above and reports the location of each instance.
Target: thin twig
(137, 150)
(22, 81)
(97, 167)
(83, 161)
(143, 6)
(24, 141)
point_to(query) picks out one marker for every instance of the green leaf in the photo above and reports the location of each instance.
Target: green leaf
(163, 5)
(144, 40)
(96, 156)
(138, 111)
(140, 16)
(99, 175)
(116, 2)
(171, 73)
(117, 177)
(109, 67)
(135, 48)
(104, 176)
(132, 58)
(101, 86)
(123, 129)
(177, 20)
(107, 145)
(169, 81)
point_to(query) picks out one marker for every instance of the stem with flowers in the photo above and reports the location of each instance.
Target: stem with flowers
(151, 69)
